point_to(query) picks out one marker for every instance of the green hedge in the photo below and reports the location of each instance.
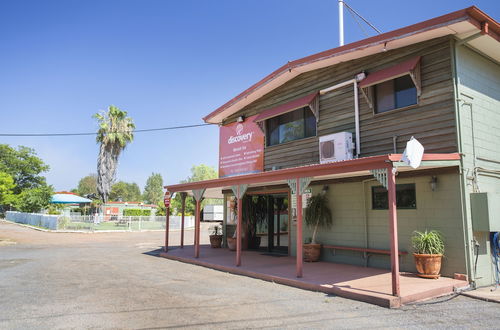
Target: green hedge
(136, 212)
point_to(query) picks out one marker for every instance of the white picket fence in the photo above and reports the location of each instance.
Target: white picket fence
(33, 219)
(99, 223)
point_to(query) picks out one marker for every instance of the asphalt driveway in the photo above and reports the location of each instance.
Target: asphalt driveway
(115, 280)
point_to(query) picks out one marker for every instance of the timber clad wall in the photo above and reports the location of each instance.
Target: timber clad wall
(292, 154)
(432, 121)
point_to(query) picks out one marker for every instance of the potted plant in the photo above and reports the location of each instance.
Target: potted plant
(215, 233)
(429, 250)
(317, 215)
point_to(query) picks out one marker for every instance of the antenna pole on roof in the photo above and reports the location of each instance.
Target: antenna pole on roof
(341, 22)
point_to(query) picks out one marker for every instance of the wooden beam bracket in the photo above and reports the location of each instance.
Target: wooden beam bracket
(242, 190)
(314, 106)
(366, 91)
(198, 194)
(304, 183)
(292, 183)
(380, 175)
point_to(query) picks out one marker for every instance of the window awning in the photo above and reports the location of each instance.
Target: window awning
(401, 69)
(310, 100)
(409, 67)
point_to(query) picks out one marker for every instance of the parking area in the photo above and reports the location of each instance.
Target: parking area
(116, 280)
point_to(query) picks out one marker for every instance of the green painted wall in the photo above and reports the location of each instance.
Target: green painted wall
(351, 207)
(478, 88)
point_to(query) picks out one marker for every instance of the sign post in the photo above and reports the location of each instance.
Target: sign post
(166, 201)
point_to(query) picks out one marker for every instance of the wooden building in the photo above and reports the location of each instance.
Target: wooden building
(437, 81)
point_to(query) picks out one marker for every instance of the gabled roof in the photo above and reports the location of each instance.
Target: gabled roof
(462, 23)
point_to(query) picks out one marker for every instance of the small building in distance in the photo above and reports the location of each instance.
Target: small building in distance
(114, 210)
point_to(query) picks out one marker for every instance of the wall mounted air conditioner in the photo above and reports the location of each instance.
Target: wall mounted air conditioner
(335, 147)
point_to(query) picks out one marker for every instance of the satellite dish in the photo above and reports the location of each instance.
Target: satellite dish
(413, 153)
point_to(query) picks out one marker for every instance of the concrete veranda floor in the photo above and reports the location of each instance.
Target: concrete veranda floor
(372, 285)
(117, 281)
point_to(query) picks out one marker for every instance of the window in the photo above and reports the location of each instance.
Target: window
(394, 87)
(394, 94)
(294, 125)
(406, 197)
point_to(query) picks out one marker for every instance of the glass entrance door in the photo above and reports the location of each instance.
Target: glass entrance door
(273, 230)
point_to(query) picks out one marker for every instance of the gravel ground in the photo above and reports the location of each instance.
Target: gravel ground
(114, 280)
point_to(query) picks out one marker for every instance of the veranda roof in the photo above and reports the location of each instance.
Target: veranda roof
(341, 169)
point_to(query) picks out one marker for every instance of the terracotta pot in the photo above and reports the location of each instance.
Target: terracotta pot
(311, 252)
(428, 265)
(215, 241)
(231, 243)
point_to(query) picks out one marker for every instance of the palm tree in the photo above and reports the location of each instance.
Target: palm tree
(116, 130)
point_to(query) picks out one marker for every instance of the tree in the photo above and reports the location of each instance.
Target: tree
(198, 173)
(126, 192)
(87, 185)
(115, 132)
(23, 166)
(153, 191)
(35, 199)
(7, 185)
(176, 205)
(201, 172)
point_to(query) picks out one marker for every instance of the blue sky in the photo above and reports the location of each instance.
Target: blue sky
(165, 62)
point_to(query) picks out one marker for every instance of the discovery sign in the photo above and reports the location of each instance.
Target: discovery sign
(241, 148)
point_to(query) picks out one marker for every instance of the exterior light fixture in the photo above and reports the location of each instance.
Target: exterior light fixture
(433, 183)
(360, 76)
(240, 119)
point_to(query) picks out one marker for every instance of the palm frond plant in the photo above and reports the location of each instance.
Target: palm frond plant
(215, 230)
(428, 242)
(317, 215)
(116, 130)
(429, 250)
(215, 235)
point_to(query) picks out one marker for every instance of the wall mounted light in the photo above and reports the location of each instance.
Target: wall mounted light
(360, 76)
(325, 189)
(433, 182)
(240, 119)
